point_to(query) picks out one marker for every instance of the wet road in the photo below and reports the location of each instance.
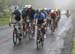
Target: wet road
(53, 43)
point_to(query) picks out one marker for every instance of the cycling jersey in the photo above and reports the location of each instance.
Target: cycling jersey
(17, 15)
(45, 13)
(53, 15)
(24, 13)
(41, 16)
(30, 13)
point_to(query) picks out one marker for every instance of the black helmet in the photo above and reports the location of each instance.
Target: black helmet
(16, 7)
(37, 11)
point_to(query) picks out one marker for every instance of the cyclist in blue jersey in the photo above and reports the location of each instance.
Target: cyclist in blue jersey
(40, 22)
(40, 19)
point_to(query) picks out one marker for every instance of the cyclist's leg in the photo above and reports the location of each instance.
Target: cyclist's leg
(57, 21)
(33, 28)
(44, 29)
(53, 25)
(21, 27)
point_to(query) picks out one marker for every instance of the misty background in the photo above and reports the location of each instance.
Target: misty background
(61, 4)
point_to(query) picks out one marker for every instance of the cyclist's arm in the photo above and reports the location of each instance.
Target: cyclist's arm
(35, 20)
(11, 18)
(21, 19)
(44, 17)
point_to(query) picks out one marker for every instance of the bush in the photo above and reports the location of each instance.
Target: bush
(1, 14)
(6, 13)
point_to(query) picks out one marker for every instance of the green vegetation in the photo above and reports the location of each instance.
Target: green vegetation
(5, 9)
(4, 12)
(73, 45)
(4, 21)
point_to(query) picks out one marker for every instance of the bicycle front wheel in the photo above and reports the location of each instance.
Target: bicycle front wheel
(15, 36)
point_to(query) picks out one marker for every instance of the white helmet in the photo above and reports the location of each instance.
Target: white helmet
(29, 6)
(45, 8)
(26, 6)
(52, 11)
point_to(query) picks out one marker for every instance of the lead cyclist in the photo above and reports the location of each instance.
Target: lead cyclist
(40, 18)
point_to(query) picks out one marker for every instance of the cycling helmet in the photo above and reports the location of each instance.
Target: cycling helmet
(52, 11)
(29, 6)
(26, 6)
(37, 11)
(16, 7)
(45, 9)
(56, 9)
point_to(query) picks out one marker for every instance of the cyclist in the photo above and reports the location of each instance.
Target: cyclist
(58, 16)
(49, 16)
(58, 13)
(40, 18)
(46, 11)
(53, 20)
(24, 15)
(68, 13)
(24, 12)
(30, 12)
(17, 18)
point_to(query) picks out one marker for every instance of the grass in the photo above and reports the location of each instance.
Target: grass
(4, 21)
(73, 51)
(73, 45)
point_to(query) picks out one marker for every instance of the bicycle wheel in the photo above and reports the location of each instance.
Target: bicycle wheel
(15, 37)
(37, 43)
(38, 40)
(27, 35)
(24, 30)
(20, 37)
(42, 41)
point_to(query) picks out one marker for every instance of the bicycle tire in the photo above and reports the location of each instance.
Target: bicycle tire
(37, 43)
(15, 37)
